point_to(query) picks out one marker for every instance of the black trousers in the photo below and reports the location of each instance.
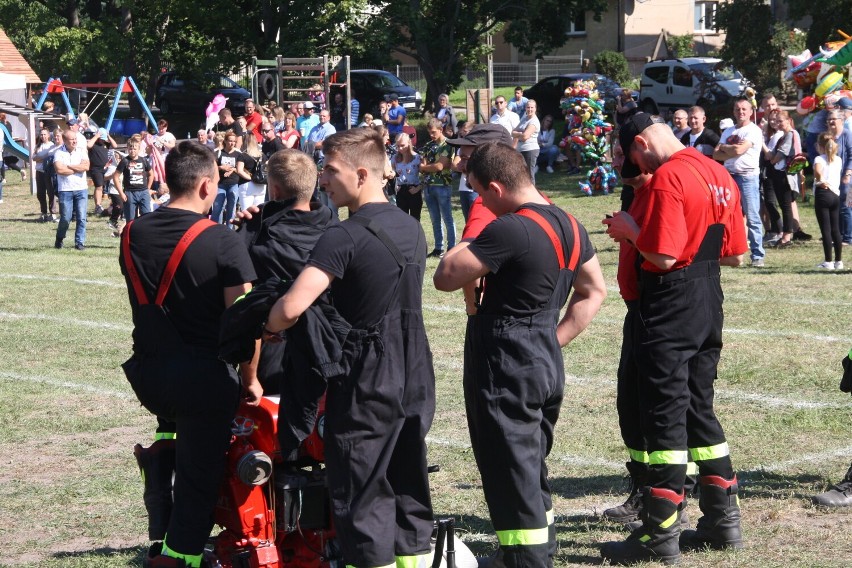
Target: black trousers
(200, 395)
(377, 419)
(45, 193)
(827, 210)
(513, 387)
(627, 389)
(679, 340)
(411, 203)
(784, 195)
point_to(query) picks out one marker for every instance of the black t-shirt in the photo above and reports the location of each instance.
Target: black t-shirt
(135, 173)
(523, 266)
(248, 164)
(365, 272)
(269, 147)
(229, 158)
(214, 261)
(235, 126)
(98, 156)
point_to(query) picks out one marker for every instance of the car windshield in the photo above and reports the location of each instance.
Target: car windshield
(719, 71)
(384, 80)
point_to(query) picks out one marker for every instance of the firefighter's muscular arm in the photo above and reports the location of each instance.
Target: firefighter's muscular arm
(589, 293)
(248, 370)
(312, 282)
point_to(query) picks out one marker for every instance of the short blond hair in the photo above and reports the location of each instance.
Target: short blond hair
(293, 172)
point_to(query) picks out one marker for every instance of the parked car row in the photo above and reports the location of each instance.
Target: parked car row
(665, 84)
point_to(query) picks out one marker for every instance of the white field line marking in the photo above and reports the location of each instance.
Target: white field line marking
(808, 458)
(568, 459)
(727, 394)
(50, 381)
(106, 283)
(64, 320)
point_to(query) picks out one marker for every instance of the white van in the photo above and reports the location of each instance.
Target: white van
(680, 83)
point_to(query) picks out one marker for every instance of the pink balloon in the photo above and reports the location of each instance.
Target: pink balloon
(217, 104)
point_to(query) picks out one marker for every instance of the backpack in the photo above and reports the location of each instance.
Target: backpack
(258, 173)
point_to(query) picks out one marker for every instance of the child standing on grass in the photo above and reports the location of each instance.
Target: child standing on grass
(827, 170)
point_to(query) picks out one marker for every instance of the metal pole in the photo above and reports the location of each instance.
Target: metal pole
(536, 70)
(490, 43)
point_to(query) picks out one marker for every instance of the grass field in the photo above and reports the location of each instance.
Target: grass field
(69, 489)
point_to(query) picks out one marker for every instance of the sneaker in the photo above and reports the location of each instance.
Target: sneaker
(57, 244)
(784, 244)
(800, 235)
(112, 225)
(98, 210)
(827, 265)
(757, 263)
(80, 246)
(54, 218)
(772, 241)
(436, 254)
(838, 265)
(549, 170)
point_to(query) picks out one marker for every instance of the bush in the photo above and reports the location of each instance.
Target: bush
(682, 45)
(613, 65)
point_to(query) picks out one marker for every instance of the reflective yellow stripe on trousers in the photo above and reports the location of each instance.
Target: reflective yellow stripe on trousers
(709, 452)
(668, 457)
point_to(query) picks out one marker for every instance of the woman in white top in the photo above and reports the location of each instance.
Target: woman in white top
(778, 156)
(548, 150)
(526, 137)
(406, 164)
(44, 186)
(827, 173)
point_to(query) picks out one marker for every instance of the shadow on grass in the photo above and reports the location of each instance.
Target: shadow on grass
(137, 553)
(770, 485)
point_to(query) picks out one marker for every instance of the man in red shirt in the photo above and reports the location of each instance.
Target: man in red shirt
(691, 226)
(253, 121)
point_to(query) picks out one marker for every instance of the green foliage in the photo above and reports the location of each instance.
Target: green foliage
(614, 65)
(445, 36)
(757, 44)
(826, 18)
(682, 45)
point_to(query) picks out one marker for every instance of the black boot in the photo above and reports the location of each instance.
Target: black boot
(657, 539)
(630, 509)
(719, 528)
(157, 465)
(839, 495)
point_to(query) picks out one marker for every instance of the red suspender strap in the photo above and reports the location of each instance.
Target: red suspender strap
(177, 255)
(138, 289)
(575, 250)
(554, 240)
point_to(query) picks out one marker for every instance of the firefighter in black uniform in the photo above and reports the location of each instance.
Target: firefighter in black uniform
(379, 412)
(182, 271)
(691, 224)
(530, 257)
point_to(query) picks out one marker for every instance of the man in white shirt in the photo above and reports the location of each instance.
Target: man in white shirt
(740, 147)
(504, 117)
(71, 163)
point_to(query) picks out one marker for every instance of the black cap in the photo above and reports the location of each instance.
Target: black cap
(482, 134)
(633, 126)
(393, 97)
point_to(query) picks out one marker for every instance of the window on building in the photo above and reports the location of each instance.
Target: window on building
(578, 25)
(705, 16)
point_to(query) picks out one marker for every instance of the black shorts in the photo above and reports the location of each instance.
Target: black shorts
(97, 176)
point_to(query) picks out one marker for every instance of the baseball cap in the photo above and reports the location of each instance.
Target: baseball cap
(393, 97)
(308, 104)
(482, 134)
(72, 122)
(844, 103)
(632, 127)
(102, 133)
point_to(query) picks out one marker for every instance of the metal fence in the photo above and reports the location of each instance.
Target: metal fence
(525, 73)
(505, 74)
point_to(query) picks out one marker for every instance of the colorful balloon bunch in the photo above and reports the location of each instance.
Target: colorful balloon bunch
(824, 72)
(585, 126)
(600, 178)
